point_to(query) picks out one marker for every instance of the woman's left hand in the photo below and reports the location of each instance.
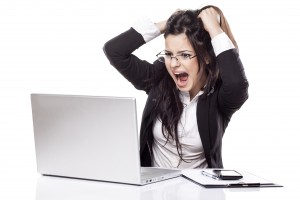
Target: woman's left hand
(211, 21)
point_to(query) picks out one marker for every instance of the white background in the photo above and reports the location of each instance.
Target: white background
(55, 46)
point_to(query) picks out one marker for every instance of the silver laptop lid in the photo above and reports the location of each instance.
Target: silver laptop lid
(86, 137)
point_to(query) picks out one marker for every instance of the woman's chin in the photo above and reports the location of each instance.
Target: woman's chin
(183, 89)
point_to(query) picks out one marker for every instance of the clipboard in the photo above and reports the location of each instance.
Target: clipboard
(248, 181)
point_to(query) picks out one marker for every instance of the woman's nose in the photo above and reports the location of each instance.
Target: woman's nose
(174, 62)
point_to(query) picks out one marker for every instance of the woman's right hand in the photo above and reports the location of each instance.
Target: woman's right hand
(161, 26)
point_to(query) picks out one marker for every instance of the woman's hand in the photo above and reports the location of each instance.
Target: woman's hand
(211, 21)
(161, 26)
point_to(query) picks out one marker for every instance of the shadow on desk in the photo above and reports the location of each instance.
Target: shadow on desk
(173, 189)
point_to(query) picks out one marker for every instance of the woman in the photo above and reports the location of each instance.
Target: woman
(193, 88)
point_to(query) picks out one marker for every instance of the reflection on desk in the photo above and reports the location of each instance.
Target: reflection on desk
(173, 189)
(57, 188)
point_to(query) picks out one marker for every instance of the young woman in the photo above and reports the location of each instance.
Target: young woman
(193, 88)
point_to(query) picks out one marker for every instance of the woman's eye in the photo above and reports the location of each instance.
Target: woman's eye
(185, 56)
(168, 55)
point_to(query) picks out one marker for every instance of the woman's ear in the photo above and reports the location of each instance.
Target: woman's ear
(207, 61)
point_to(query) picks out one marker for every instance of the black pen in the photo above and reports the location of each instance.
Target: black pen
(244, 185)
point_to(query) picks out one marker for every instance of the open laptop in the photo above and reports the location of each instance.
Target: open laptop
(90, 137)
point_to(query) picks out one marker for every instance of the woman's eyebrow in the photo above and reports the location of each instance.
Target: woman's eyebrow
(182, 51)
(185, 51)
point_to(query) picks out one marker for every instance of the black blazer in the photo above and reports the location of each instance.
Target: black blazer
(213, 111)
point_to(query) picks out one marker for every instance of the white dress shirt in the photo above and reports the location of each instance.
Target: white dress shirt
(165, 154)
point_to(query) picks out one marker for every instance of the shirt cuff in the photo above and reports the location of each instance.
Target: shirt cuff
(146, 28)
(221, 43)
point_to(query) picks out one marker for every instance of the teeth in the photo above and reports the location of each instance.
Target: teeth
(180, 74)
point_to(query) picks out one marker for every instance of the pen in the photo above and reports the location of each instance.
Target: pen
(244, 185)
(210, 175)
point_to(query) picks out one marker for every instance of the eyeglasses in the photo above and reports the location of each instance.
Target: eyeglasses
(165, 56)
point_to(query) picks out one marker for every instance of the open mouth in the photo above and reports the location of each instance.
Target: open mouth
(183, 76)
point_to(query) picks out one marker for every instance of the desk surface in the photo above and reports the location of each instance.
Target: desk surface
(173, 189)
(55, 188)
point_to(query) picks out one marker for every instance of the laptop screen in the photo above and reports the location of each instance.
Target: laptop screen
(90, 137)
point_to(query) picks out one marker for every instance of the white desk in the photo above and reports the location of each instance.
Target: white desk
(173, 189)
(29, 186)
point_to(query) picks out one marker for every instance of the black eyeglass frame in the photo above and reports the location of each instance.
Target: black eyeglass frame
(162, 58)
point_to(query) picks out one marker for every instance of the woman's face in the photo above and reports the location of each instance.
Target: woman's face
(185, 69)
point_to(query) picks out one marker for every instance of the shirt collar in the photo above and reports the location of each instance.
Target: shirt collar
(185, 96)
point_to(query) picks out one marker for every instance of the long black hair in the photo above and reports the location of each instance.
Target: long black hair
(169, 107)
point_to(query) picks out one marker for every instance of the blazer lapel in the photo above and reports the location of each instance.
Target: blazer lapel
(203, 126)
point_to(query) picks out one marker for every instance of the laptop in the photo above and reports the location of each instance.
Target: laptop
(90, 137)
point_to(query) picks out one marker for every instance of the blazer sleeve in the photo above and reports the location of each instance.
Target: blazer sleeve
(119, 51)
(234, 88)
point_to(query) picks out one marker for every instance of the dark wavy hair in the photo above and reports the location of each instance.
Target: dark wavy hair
(169, 107)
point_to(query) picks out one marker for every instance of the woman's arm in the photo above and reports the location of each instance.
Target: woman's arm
(119, 50)
(234, 89)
